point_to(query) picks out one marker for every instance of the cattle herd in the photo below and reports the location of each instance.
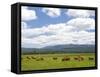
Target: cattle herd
(65, 58)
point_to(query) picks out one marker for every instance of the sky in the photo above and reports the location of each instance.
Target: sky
(42, 26)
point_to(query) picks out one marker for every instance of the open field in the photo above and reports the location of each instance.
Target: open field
(56, 61)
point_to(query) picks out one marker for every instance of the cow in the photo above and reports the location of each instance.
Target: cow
(28, 57)
(79, 58)
(76, 58)
(39, 59)
(33, 57)
(90, 58)
(54, 58)
(66, 59)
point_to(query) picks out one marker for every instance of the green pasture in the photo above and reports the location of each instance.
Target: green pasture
(49, 63)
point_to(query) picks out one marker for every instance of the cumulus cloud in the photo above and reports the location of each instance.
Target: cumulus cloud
(55, 34)
(52, 12)
(73, 31)
(51, 29)
(82, 23)
(28, 14)
(80, 13)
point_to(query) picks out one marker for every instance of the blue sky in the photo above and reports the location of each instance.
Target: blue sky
(43, 26)
(45, 19)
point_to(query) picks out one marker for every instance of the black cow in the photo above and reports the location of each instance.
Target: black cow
(54, 58)
(90, 58)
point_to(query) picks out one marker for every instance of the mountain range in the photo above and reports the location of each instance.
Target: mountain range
(70, 48)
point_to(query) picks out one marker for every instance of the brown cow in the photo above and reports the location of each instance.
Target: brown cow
(66, 59)
(39, 59)
(28, 57)
(79, 58)
(33, 57)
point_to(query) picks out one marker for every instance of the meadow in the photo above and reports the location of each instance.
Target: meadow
(56, 61)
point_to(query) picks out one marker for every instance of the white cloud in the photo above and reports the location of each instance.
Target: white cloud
(82, 23)
(80, 13)
(52, 12)
(51, 29)
(27, 14)
(70, 32)
(55, 34)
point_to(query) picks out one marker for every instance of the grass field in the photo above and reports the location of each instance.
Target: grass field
(54, 61)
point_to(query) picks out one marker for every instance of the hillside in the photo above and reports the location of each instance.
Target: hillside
(61, 49)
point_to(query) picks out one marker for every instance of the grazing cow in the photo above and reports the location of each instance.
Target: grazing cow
(66, 59)
(75, 58)
(33, 57)
(54, 58)
(90, 58)
(39, 59)
(27, 57)
(79, 58)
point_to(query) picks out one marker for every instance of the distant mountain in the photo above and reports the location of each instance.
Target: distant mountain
(67, 46)
(70, 48)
